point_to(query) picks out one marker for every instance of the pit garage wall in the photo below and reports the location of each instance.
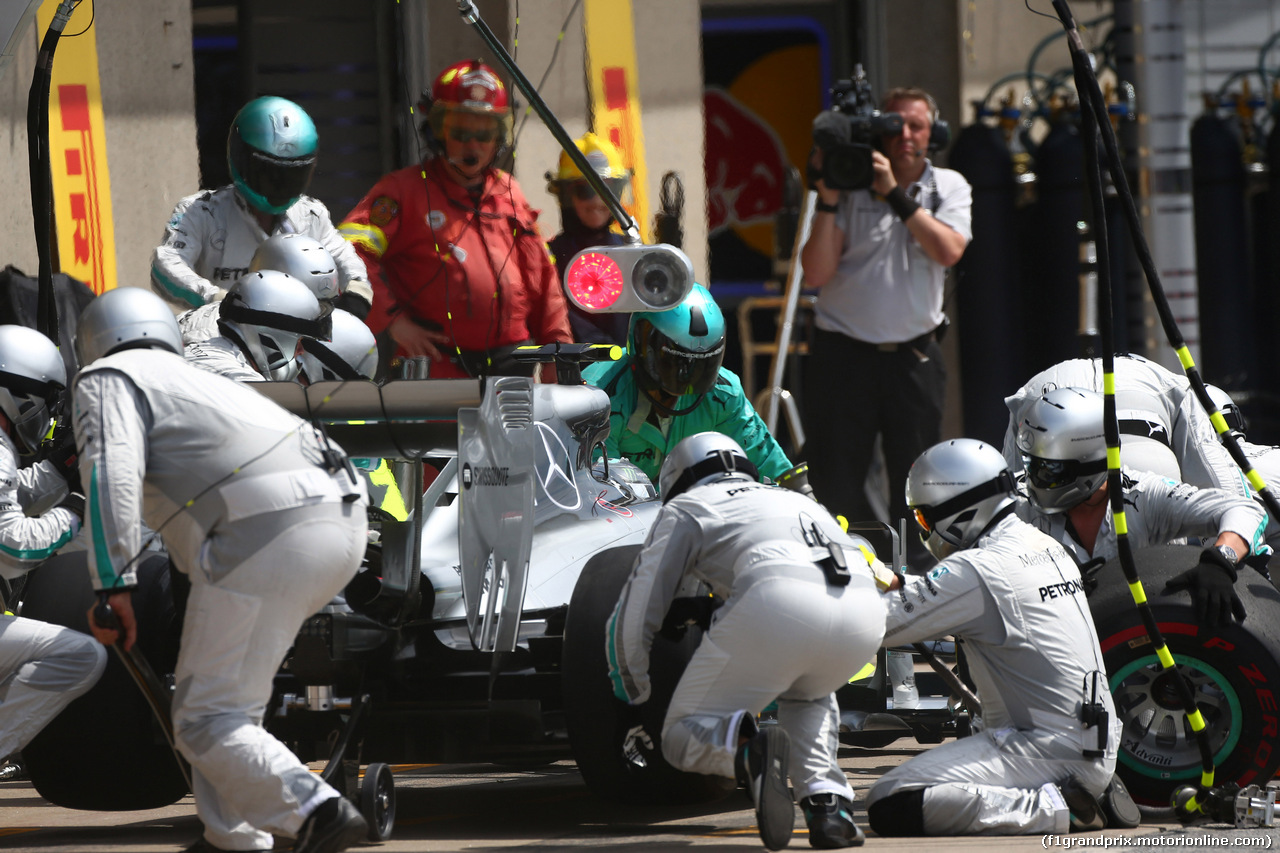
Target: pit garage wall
(144, 57)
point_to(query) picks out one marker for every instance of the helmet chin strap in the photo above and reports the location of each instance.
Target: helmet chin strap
(666, 410)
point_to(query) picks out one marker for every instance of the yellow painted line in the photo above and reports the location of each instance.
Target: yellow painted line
(395, 768)
(413, 821)
(725, 833)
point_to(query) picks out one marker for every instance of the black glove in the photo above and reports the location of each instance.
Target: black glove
(353, 304)
(60, 449)
(1211, 583)
(684, 612)
(74, 501)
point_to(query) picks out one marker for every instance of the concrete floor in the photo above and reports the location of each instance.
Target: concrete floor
(483, 807)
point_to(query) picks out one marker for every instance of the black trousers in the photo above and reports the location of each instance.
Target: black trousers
(853, 392)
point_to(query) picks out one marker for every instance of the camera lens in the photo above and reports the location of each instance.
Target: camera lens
(659, 280)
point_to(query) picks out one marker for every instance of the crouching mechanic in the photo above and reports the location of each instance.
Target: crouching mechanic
(298, 255)
(670, 385)
(261, 321)
(1065, 454)
(778, 560)
(1049, 735)
(42, 667)
(261, 513)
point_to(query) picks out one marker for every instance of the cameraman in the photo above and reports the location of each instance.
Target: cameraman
(879, 257)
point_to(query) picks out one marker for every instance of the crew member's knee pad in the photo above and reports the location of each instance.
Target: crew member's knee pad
(900, 814)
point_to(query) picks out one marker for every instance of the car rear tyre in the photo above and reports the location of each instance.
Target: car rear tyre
(1234, 673)
(106, 751)
(594, 716)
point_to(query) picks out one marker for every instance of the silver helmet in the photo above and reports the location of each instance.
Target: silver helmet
(125, 318)
(956, 489)
(31, 374)
(699, 459)
(1230, 411)
(350, 353)
(302, 257)
(1063, 448)
(267, 313)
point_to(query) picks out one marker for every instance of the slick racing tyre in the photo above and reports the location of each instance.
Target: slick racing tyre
(106, 751)
(1234, 673)
(597, 721)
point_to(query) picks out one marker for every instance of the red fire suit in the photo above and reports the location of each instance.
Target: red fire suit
(477, 270)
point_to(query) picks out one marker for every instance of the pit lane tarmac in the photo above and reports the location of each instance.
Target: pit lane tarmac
(548, 808)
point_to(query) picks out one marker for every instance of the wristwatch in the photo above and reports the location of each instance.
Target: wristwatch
(1230, 553)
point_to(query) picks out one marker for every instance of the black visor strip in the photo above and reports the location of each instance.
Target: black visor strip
(236, 311)
(721, 462)
(27, 385)
(329, 359)
(1002, 484)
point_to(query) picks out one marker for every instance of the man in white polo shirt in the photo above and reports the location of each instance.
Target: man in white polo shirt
(879, 257)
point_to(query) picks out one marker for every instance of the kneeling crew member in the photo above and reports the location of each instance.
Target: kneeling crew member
(1065, 453)
(42, 667)
(778, 559)
(1050, 733)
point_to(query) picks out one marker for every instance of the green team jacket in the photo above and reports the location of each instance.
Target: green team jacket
(725, 409)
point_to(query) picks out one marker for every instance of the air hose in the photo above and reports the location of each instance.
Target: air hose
(1087, 86)
(41, 177)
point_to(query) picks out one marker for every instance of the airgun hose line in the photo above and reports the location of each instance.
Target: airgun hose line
(1093, 122)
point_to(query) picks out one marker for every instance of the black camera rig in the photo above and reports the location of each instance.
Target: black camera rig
(848, 132)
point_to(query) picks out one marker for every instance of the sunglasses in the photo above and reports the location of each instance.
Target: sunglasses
(583, 191)
(461, 134)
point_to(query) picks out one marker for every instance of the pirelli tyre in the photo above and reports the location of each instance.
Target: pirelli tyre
(597, 721)
(106, 751)
(1234, 673)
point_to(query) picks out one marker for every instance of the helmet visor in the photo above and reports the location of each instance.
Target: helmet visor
(585, 192)
(277, 180)
(1052, 474)
(32, 421)
(681, 372)
(922, 521)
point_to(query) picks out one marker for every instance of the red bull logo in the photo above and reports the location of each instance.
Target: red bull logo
(745, 164)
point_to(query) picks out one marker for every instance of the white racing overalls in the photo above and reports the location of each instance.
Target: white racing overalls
(1016, 601)
(1266, 461)
(212, 236)
(783, 632)
(42, 667)
(1163, 427)
(222, 356)
(267, 534)
(1160, 511)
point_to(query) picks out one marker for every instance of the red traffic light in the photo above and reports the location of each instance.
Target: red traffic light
(594, 280)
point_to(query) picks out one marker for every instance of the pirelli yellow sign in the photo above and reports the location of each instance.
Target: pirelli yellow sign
(86, 246)
(615, 93)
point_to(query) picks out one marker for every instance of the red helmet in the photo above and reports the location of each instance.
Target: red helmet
(472, 86)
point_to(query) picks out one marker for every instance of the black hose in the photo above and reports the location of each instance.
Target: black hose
(41, 176)
(1095, 121)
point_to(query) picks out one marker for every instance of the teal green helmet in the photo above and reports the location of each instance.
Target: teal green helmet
(271, 151)
(678, 352)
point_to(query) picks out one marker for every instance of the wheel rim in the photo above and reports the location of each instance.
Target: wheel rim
(384, 801)
(1157, 740)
